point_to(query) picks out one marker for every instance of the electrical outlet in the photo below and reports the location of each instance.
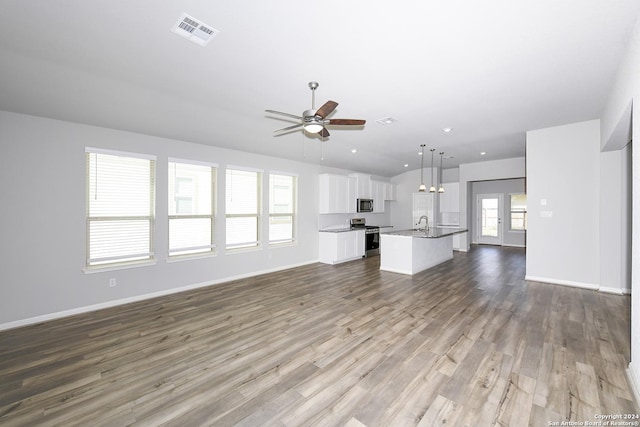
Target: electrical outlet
(112, 282)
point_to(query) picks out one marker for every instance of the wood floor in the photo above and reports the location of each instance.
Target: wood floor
(467, 343)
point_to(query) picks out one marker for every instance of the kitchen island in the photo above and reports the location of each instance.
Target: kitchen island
(415, 250)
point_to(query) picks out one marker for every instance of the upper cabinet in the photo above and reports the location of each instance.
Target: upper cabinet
(363, 185)
(337, 194)
(377, 194)
(450, 204)
(389, 191)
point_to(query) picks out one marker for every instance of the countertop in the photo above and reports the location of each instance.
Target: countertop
(432, 233)
(345, 229)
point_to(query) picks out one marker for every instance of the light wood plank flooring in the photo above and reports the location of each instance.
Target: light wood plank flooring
(467, 343)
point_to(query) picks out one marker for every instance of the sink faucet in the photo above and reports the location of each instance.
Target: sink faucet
(426, 221)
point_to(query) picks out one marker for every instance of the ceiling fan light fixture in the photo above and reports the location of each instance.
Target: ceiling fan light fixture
(313, 121)
(313, 127)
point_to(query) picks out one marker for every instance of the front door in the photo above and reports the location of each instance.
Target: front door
(489, 219)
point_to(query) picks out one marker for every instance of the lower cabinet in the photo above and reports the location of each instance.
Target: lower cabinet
(341, 247)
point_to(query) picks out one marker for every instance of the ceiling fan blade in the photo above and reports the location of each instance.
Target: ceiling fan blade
(345, 122)
(324, 133)
(326, 109)
(289, 128)
(284, 114)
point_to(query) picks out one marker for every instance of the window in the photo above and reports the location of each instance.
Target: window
(519, 212)
(242, 206)
(191, 207)
(120, 207)
(282, 202)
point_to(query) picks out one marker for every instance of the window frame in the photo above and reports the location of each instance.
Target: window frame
(119, 261)
(294, 208)
(249, 245)
(517, 211)
(200, 250)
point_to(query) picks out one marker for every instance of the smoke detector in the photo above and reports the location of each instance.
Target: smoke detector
(194, 30)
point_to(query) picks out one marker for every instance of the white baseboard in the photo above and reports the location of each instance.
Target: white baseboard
(114, 303)
(604, 289)
(616, 291)
(562, 282)
(507, 245)
(633, 376)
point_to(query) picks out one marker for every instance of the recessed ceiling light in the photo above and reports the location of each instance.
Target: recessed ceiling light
(483, 153)
(386, 121)
(447, 130)
(353, 150)
(406, 165)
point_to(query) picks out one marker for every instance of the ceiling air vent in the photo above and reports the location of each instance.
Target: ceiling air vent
(194, 30)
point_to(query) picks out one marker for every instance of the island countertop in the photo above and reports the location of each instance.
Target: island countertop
(431, 233)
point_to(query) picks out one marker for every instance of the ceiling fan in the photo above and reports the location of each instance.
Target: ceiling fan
(313, 121)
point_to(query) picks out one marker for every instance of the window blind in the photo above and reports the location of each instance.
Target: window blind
(242, 206)
(191, 208)
(282, 206)
(120, 207)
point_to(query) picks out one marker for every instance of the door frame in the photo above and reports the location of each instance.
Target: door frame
(478, 220)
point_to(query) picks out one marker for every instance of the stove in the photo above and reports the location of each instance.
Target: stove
(371, 236)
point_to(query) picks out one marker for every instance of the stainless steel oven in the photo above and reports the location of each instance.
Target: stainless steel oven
(371, 236)
(372, 241)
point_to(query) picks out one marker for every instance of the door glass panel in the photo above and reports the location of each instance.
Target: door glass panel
(490, 217)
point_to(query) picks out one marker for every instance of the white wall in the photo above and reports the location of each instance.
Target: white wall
(615, 221)
(616, 117)
(483, 171)
(563, 171)
(634, 366)
(42, 183)
(620, 121)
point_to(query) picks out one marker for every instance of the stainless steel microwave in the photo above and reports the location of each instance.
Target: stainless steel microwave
(365, 205)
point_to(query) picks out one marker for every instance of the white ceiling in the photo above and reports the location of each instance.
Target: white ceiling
(491, 70)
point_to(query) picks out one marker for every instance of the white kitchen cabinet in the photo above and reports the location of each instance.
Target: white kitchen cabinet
(389, 191)
(423, 205)
(341, 246)
(337, 194)
(377, 194)
(363, 185)
(450, 199)
(449, 209)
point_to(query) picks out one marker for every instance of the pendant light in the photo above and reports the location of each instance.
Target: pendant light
(432, 189)
(441, 189)
(422, 187)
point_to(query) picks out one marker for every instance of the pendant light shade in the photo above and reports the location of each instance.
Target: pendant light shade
(432, 189)
(422, 186)
(441, 189)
